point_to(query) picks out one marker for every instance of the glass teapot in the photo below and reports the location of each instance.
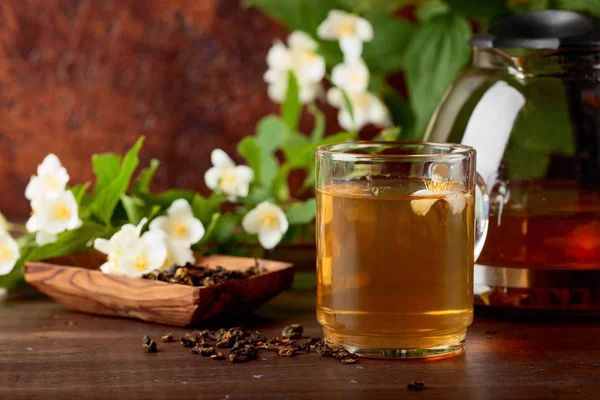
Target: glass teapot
(530, 105)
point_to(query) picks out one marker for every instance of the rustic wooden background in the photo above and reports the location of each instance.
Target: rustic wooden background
(84, 76)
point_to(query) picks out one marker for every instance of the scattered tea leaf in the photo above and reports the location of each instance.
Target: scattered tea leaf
(293, 331)
(185, 342)
(217, 356)
(149, 345)
(168, 338)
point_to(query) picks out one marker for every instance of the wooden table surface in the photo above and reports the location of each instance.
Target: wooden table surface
(48, 352)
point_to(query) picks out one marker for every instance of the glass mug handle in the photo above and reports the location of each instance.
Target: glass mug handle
(482, 211)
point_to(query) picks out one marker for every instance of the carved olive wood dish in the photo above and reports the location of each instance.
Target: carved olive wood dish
(72, 282)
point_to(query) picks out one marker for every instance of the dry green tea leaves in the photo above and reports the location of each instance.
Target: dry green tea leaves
(293, 331)
(185, 342)
(149, 345)
(168, 338)
(245, 344)
(195, 275)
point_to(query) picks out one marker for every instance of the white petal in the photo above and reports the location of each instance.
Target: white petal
(335, 97)
(9, 253)
(159, 223)
(34, 188)
(34, 223)
(422, 206)
(182, 255)
(364, 29)
(220, 159)
(43, 238)
(378, 113)
(108, 268)
(211, 178)
(155, 249)
(196, 231)
(326, 29)
(276, 91)
(251, 221)
(301, 40)
(102, 245)
(309, 92)
(275, 75)
(180, 208)
(269, 239)
(309, 68)
(351, 47)
(50, 164)
(456, 201)
(345, 121)
(352, 77)
(244, 173)
(278, 57)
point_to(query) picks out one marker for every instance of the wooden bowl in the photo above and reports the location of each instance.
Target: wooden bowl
(80, 288)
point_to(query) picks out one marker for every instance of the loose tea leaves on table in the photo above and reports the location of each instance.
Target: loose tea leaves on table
(245, 344)
(293, 331)
(168, 338)
(195, 275)
(149, 345)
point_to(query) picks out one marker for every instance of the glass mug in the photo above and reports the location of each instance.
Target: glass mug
(397, 237)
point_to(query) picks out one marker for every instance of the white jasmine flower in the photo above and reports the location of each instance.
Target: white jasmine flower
(268, 221)
(176, 254)
(351, 30)
(440, 190)
(300, 57)
(180, 225)
(9, 253)
(367, 108)
(117, 245)
(50, 181)
(133, 255)
(352, 77)
(53, 216)
(143, 255)
(225, 176)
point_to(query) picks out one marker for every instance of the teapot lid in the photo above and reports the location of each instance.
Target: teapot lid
(548, 29)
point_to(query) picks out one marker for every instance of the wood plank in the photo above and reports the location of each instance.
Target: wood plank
(48, 352)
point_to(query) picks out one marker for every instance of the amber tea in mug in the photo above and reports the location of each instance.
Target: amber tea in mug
(396, 237)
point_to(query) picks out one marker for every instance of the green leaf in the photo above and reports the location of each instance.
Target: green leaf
(304, 281)
(544, 123)
(522, 163)
(108, 197)
(78, 191)
(524, 6)
(209, 232)
(319, 129)
(402, 114)
(303, 213)
(165, 199)
(433, 60)
(291, 108)
(592, 6)
(225, 228)
(134, 208)
(270, 133)
(69, 242)
(106, 167)
(388, 135)
(488, 9)
(348, 104)
(142, 183)
(331, 52)
(205, 207)
(431, 9)
(263, 164)
(391, 35)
